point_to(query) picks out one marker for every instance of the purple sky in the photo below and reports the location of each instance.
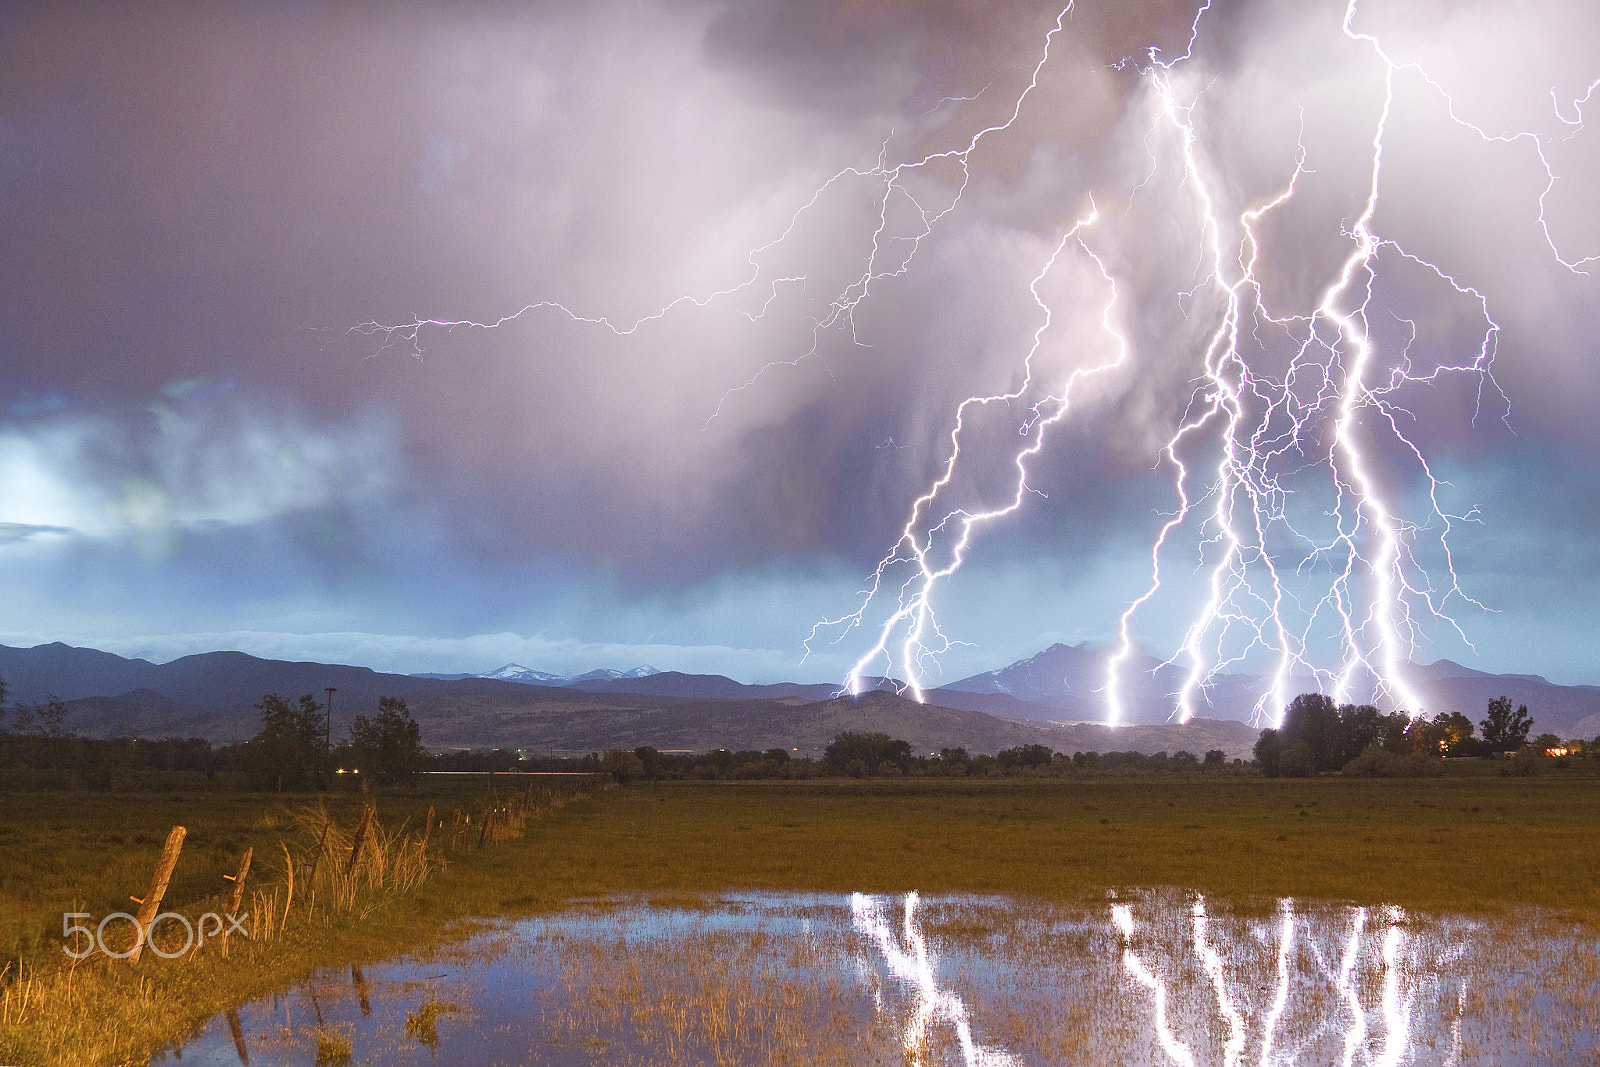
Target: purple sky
(201, 203)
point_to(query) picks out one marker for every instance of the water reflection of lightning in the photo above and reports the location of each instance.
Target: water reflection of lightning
(1376, 988)
(909, 961)
(1357, 1033)
(1122, 915)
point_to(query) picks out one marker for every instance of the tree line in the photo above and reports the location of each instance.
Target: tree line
(1317, 735)
(293, 750)
(855, 754)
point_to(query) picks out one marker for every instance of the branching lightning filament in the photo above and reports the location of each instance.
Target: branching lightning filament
(1316, 531)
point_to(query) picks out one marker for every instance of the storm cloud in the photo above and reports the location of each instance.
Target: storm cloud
(670, 417)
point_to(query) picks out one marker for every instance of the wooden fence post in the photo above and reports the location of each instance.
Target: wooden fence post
(361, 838)
(150, 906)
(360, 982)
(239, 882)
(239, 1047)
(428, 830)
(236, 897)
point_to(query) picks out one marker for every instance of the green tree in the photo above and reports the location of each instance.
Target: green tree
(651, 760)
(41, 734)
(870, 750)
(1297, 761)
(287, 751)
(1312, 720)
(389, 745)
(52, 716)
(1268, 752)
(1503, 729)
(1360, 728)
(954, 762)
(1024, 757)
(622, 765)
(1544, 742)
(1447, 733)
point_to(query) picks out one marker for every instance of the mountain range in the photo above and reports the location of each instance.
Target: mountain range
(1070, 679)
(516, 672)
(1051, 698)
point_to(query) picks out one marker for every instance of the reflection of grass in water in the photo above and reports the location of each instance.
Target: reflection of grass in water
(1486, 990)
(709, 996)
(1441, 843)
(421, 1024)
(746, 996)
(1048, 984)
(333, 1048)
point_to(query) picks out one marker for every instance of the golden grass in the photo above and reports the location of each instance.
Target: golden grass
(708, 997)
(1440, 844)
(1049, 982)
(1432, 844)
(308, 903)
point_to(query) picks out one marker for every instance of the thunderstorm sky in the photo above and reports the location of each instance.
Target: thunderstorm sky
(202, 445)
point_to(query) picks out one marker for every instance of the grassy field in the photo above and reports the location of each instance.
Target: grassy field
(1450, 843)
(1453, 843)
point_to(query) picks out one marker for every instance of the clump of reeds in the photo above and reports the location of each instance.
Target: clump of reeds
(708, 997)
(347, 868)
(333, 1047)
(422, 1024)
(98, 1010)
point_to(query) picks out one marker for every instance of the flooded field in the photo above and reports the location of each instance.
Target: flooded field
(1160, 977)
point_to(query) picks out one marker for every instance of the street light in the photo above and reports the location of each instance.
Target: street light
(327, 737)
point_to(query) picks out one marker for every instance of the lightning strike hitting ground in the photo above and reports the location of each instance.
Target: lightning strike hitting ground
(1300, 415)
(915, 610)
(1309, 532)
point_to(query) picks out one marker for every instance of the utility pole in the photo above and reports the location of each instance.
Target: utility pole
(327, 738)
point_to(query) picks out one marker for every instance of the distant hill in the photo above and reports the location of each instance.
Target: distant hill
(35, 674)
(1050, 698)
(1071, 678)
(141, 713)
(606, 674)
(571, 722)
(704, 686)
(516, 672)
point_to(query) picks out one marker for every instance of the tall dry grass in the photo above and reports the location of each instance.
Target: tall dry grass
(307, 903)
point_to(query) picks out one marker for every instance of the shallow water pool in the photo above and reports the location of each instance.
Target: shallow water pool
(1154, 977)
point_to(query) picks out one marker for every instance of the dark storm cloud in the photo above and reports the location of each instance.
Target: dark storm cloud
(197, 198)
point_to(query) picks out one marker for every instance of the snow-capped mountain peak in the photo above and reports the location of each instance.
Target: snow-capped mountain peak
(608, 674)
(640, 672)
(515, 672)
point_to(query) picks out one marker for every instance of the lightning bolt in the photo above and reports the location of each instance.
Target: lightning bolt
(914, 610)
(890, 253)
(1285, 460)
(1319, 423)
